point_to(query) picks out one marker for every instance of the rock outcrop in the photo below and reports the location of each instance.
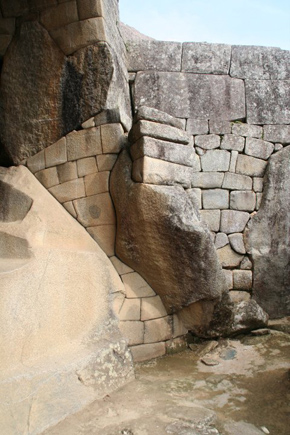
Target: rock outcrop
(268, 239)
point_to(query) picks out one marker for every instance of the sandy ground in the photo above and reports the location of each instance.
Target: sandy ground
(245, 392)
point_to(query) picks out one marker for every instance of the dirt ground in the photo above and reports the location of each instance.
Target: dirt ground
(227, 387)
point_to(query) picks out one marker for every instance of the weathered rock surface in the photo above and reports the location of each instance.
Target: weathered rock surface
(159, 236)
(60, 343)
(268, 239)
(201, 57)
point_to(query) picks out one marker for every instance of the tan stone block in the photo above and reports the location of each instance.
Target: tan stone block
(67, 172)
(112, 138)
(259, 197)
(136, 286)
(84, 143)
(258, 184)
(145, 352)
(152, 308)
(89, 123)
(229, 278)
(117, 303)
(243, 279)
(158, 330)
(239, 296)
(104, 235)
(90, 8)
(233, 221)
(70, 208)
(37, 162)
(207, 180)
(243, 200)
(68, 191)
(87, 166)
(106, 162)
(120, 267)
(178, 327)
(60, 15)
(246, 264)
(211, 218)
(228, 257)
(247, 165)
(133, 331)
(97, 183)
(56, 154)
(48, 177)
(130, 310)
(74, 36)
(95, 210)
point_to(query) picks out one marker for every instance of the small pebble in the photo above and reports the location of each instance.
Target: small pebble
(265, 430)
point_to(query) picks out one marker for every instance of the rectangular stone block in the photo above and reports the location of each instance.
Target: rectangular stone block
(199, 96)
(89, 123)
(233, 221)
(229, 278)
(97, 183)
(242, 279)
(247, 130)
(74, 36)
(56, 154)
(120, 267)
(130, 310)
(105, 236)
(233, 162)
(133, 331)
(87, 166)
(90, 8)
(157, 330)
(67, 172)
(239, 296)
(155, 171)
(59, 15)
(197, 126)
(215, 198)
(196, 196)
(228, 258)
(178, 328)
(215, 161)
(243, 200)
(207, 180)
(258, 200)
(69, 191)
(163, 150)
(136, 286)
(84, 143)
(48, 177)
(145, 352)
(105, 162)
(108, 116)
(220, 127)
(211, 218)
(232, 142)
(207, 141)
(95, 210)
(153, 55)
(37, 162)
(247, 165)
(112, 136)
(258, 184)
(150, 114)
(277, 133)
(158, 131)
(237, 182)
(201, 57)
(152, 308)
(268, 101)
(258, 148)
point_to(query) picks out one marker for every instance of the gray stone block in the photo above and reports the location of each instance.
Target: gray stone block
(237, 243)
(258, 200)
(153, 55)
(208, 141)
(191, 95)
(215, 161)
(233, 162)
(243, 200)
(237, 182)
(195, 195)
(233, 221)
(228, 257)
(158, 131)
(150, 114)
(258, 148)
(220, 127)
(211, 218)
(207, 180)
(258, 184)
(201, 57)
(246, 264)
(251, 166)
(232, 142)
(268, 101)
(215, 199)
(160, 149)
(247, 130)
(197, 126)
(260, 63)
(242, 279)
(221, 240)
(277, 133)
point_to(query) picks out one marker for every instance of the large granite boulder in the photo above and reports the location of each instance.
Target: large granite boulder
(268, 239)
(160, 236)
(60, 343)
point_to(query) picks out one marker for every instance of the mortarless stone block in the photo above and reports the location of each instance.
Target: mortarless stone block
(195, 196)
(120, 267)
(258, 184)
(233, 221)
(105, 236)
(178, 327)
(145, 352)
(242, 200)
(83, 143)
(37, 162)
(133, 331)
(59, 15)
(258, 148)
(105, 162)
(67, 172)
(201, 57)
(259, 197)
(158, 131)
(157, 330)
(136, 286)
(228, 257)
(197, 126)
(150, 114)
(239, 296)
(247, 130)
(211, 218)
(87, 166)
(69, 190)
(97, 183)
(277, 133)
(246, 264)
(95, 210)
(237, 243)
(90, 8)
(233, 162)
(215, 161)
(232, 142)
(247, 165)
(56, 154)
(237, 182)
(130, 310)
(112, 138)
(242, 279)
(152, 308)
(208, 141)
(220, 127)
(70, 208)
(221, 240)
(215, 198)
(207, 180)
(89, 123)
(48, 177)
(229, 278)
